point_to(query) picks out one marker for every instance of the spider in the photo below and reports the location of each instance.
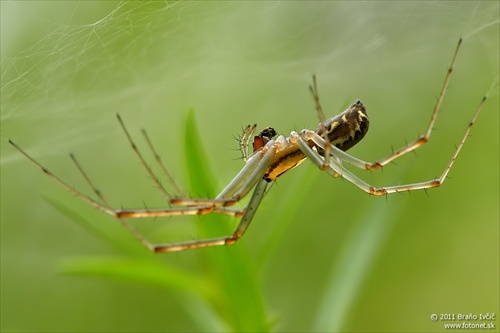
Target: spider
(270, 158)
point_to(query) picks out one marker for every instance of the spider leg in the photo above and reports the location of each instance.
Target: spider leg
(244, 140)
(169, 175)
(121, 214)
(250, 176)
(258, 194)
(106, 208)
(322, 118)
(423, 138)
(308, 135)
(65, 185)
(97, 192)
(155, 212)
(143, 161)
(193, 209)
(336, 168)
(241, 184)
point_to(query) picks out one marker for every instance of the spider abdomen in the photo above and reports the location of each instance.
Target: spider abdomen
(346, 129)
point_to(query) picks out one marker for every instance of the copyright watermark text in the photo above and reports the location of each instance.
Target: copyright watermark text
(466, 320)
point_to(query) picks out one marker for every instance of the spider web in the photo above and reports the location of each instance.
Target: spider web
(119, 56)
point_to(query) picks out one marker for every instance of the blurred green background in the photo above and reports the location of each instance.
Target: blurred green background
(320, 254)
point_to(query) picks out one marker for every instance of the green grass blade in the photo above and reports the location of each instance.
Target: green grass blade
(144, 271)
(106, 232)
(192, 291)
(352, 268)
(231, 269)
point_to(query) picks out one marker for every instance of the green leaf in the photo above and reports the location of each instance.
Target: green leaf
(231, 269)
(144, 271)
(193, 292)
(115, 236)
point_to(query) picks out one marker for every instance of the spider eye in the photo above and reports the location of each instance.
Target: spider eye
(268, 133)
(264, 137)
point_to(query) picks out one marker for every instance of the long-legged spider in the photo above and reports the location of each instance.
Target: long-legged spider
(326, 148)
